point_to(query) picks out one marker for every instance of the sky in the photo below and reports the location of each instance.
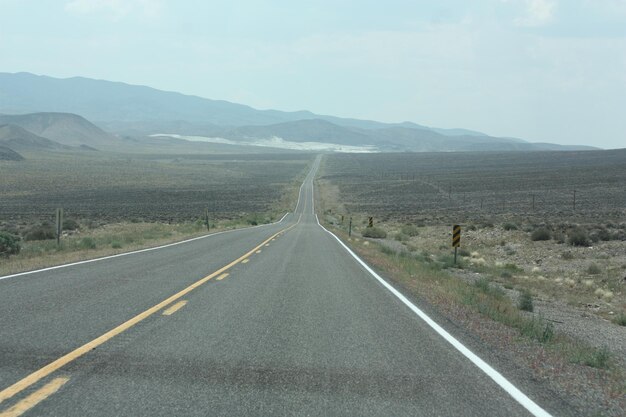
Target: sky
(541, 70)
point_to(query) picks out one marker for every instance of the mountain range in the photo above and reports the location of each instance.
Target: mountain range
(61, 110)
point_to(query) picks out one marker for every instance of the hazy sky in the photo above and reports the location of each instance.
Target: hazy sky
(543, 70)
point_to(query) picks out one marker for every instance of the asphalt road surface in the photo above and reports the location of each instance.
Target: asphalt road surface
(273, 320)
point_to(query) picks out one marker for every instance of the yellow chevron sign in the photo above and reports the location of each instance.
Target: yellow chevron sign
(456, 236)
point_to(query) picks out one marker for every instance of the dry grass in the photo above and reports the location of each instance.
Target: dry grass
(585, 276)
(107, 240)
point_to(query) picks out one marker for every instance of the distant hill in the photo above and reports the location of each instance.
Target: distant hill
(113, 101)
(121, 106)
(137, 111)
(314, 130)
(65, 128)
(395, 138)
(7, 154)
(19, 139)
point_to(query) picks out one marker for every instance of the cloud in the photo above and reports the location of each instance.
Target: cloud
(537, 13)
(115, 9)
(609, 6)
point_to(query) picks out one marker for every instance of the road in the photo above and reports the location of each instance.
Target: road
(272, 320)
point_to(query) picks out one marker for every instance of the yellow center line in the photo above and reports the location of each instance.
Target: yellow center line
(259, 251)
(173, 309)
(73, 355)
(224, 275)
(267, 244)
(35, 398)
(245, 261)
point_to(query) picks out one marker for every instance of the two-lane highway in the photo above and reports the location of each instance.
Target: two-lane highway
(274, 320)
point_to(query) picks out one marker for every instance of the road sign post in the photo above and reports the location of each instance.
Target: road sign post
(206, 218)
(59, 224)
(456, 239)
(350, 228)
(370, 222)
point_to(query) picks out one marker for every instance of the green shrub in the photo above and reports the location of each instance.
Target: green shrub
(401, 237)
(492, 290)
(464, 253)
(559, 237)
(593, 269)
(595, 358)
(422, 256)
(11, 229)
(567, 255)
(374, 232)
(509, 226)
(387, 250)
(620, 319)
(70, 224)
(87, 243)
(255, 219)
(410, 230)
(548, 333)
(525, 301)
(9, 244)
(482, 284)
(447, 261)
(509, 250)
(578, 237)
(40, 232)
(540, 234)
(618, 235)
(538, 329)
(603, 235)
(116, 244)
(512, 267)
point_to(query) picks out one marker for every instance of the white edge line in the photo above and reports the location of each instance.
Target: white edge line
(138, 251)
(299, 196)
(313, 196)
(507, 386)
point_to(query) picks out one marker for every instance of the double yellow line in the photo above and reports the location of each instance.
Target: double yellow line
(36, 376)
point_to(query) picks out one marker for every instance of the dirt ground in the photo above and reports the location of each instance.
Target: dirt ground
(582, 293)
